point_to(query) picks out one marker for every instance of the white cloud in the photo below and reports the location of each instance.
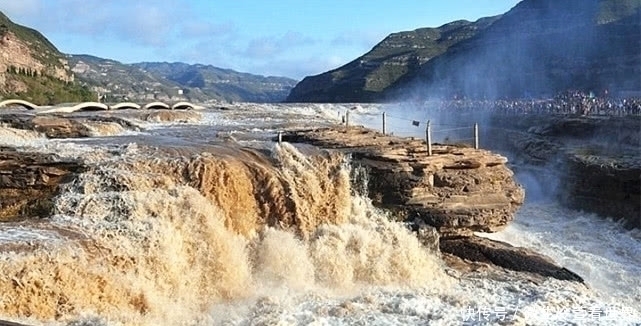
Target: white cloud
(147, 30)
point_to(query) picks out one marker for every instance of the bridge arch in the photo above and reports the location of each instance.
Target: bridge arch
(182, 106)
(156, 105)
(25, 104)
(125, 105)
(90, 106)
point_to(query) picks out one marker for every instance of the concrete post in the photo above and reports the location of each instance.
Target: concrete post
(347, 119)
(383, 123)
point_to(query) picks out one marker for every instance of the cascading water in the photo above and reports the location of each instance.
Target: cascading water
(148, 230)
(161, 230)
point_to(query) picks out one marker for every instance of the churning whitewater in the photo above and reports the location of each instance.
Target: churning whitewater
(204, 220)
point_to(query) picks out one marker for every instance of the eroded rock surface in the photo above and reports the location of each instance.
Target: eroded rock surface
(29, 181)
(456, 190)
(444, 198)
(486, 251)
(591, 163)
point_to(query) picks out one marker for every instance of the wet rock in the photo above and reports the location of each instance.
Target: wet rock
(51, 126)
(427, 235)
(457, 190)
(29, 181)
(593, 162)
(10, 323)
(605, 186)
(86, 124)
(171, 115)
(473, 249)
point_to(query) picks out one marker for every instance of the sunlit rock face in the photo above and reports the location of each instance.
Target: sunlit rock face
(458, 190)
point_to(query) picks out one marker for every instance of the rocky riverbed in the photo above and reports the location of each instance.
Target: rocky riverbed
(458, 190)
(445, 198)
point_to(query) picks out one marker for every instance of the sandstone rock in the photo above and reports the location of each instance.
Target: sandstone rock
(29, 181)
(51, 126)
(606, 186)
(456, 190)
(83, 124)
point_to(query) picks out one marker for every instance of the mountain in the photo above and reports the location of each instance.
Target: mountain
(175, 81)
(366, 78)
(33, 69)
(115, 81)
(538, 48)
(223, 83)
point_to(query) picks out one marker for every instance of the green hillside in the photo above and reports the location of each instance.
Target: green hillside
(31, 68)
(367, 77)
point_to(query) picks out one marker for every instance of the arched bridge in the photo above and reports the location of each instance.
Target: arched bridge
(96, 106)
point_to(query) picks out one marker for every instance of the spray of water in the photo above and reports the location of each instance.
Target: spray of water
(160, 239)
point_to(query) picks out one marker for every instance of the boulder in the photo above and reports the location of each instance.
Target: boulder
(485, 251)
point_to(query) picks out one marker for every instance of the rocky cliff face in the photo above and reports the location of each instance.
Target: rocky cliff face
(457, 190)
(605, 185)
(25, 49)
(33, 69)
(590, 163)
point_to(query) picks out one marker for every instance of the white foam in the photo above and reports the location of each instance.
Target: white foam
(599, 250)
(18, 137)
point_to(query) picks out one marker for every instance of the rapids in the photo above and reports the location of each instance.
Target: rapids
(203, 220)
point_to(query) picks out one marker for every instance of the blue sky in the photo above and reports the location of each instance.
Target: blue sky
(279, 38)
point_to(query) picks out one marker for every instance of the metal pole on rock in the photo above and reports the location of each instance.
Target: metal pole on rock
(428, 138)
(476, 136)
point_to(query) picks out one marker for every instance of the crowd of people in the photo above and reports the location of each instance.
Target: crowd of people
(571, 102)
